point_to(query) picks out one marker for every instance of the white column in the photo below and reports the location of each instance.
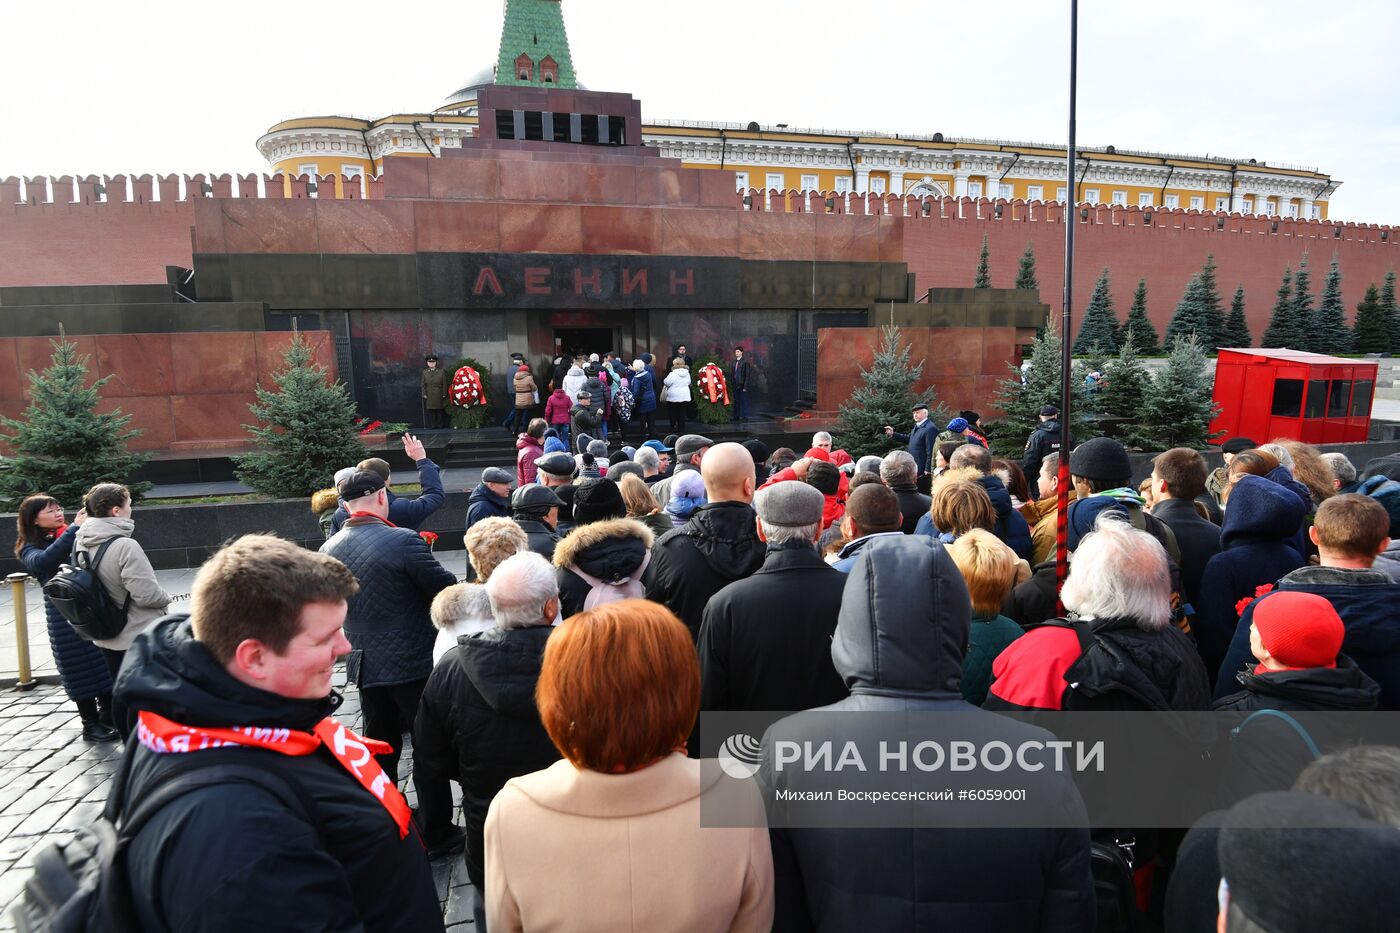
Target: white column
(960, 183)
(1237, 201)
(896, 182)
(1305, 206)
(862, 180)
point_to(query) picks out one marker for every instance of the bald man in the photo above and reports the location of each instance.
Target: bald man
(719, 544)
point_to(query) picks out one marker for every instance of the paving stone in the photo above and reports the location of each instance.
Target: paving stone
(43, 819)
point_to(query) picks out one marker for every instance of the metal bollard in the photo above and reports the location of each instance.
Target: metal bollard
(26, 676)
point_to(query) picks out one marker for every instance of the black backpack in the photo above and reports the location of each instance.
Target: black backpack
(79, 596)
(81, 885)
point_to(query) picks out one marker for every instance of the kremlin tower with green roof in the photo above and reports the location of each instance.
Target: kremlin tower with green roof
(535, 46)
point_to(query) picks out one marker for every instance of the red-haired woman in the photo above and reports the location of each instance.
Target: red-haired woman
(43, 543)
(610, 838)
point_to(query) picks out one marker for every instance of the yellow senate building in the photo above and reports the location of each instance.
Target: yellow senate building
(534, 51)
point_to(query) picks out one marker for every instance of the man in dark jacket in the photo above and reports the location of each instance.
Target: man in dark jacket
(477, 723)
(899, 472)
(435, 385)
(1123, 653)
(920, 439)
(387, 622)
(899, 644)
(1178, 479)
(716, 547)
(1255, 551)
(404, 511)
(255, 663)
(869, 517)
(765, 643)
(739, 385)
(1010, 525)
(606, 552)
(1045, 439)
(1349, 531)
(535, 509)
(491, 497)
(584, 418)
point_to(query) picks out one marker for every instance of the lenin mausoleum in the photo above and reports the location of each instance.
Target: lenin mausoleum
(529, 214)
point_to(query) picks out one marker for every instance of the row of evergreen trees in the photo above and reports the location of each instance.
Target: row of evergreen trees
(1295, 322)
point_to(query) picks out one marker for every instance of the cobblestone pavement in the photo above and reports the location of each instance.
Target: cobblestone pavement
(52, 782)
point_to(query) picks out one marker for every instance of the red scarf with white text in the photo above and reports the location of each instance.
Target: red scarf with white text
(355, 753)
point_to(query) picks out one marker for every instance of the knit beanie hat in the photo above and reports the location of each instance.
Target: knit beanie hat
(1237, 445)
(597, 500)
(1300, 630)
(598, 448)
(1102, 458)
(617, 456)
(757, 450)
(566, 502)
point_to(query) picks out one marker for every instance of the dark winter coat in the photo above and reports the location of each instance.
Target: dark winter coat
(435, 386)
(1044, 440)
(850, 552)
(920, 440)
(582, 421)
(1033, 602)
(739, 375)
(1197, 538)
(485, 502)
(219, 858)
(1010, 526)
(1261, 519)
(387, 621)
(718, 545)
(1366, 600)
(1104, 664)
(899, 647)
(612, 551)
(541, 537)
(913, 505)
(478, 725)
(1267, 753)
(80, 664)
(644, 392)
(765, 643)
(599, 397)
(991, 635)
(405, 511)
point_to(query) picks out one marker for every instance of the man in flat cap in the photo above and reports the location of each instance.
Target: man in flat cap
(747, 662)
(491, 497)
(556, 469)
(535, 509)
(435, 383)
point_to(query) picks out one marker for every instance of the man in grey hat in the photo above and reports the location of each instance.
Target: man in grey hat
(556, 469)
(535, 509)
(747, 662)
(491, 497)
(690, 451)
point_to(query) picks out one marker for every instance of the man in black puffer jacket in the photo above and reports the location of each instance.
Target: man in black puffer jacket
(717, 546)
(388, 623)
(254, 661)
(899, 644)
(478, 723)
(606, 551)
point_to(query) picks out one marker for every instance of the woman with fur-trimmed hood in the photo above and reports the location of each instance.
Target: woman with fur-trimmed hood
(463, 608)
(604, 557)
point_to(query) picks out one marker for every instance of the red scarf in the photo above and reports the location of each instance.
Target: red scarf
(355, 753)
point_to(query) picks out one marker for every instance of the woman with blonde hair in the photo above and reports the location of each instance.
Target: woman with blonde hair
(641, 505)
(1310, 469)
(989, 568)
(611, 837)
(960, 505)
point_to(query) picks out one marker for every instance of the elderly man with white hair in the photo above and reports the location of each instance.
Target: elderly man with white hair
(1343, 470)
(899, 472)
(822, 440)
(1119, 651)
(477, 723)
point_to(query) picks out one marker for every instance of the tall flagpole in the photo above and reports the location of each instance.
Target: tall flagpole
(1071, 219)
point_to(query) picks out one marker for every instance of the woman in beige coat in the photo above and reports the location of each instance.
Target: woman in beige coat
(526, 393)
(126, 574)
(610, 838)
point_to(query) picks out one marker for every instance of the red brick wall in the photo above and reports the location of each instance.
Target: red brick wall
(963, 364)
(184, 391)
(93, 244)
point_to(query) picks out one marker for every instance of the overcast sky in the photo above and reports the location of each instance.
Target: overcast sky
(189, 86)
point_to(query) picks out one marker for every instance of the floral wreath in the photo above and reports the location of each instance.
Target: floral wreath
(466, 388)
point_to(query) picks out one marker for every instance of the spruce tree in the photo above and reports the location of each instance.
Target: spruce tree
(62, 445)
(1303, 306)
(1025, 273)
(1236, 326)
(1329, 324)
(1188, 318)
(1390, 312)
(1021, 404)
(1100, 325)
(1179, 406)
(1282, 332)
(1371, 333)
(984, 269)
(1126, 384)
(886, 397)
(1139, 325)
(307, 431)
(1212, 317)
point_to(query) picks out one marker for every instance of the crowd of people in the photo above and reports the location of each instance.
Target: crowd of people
(614, 592)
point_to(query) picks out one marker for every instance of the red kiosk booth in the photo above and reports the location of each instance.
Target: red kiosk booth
(1266, 394)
